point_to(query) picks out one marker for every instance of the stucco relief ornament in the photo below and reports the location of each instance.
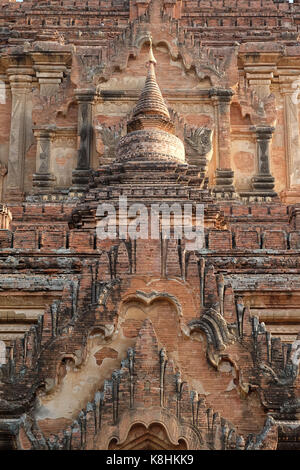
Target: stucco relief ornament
(181, 44)
(59, 37)
(3, 169)
(109, 137)
(198, 144)
(295, 95)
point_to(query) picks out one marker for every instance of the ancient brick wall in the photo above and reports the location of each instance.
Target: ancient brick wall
(111, 343)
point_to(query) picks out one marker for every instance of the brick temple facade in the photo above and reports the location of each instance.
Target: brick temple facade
(125, 343)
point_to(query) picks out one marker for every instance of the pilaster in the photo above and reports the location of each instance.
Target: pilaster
(260, 79)
(50, 70)
(289, 88)
(81, 174)
(49, 78)
(43, 178)
(263, 182)
(224, 175)
(21, 135)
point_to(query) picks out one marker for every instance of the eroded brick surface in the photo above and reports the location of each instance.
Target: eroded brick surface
(115, 344)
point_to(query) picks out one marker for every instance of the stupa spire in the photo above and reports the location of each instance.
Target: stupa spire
(151, 55)
(151, 100)
(150, 132)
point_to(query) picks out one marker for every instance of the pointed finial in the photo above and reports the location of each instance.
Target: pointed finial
(151, 55)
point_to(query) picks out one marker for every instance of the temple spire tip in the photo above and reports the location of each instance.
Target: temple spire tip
(151, 55)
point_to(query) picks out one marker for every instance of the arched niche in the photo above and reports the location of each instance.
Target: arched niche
(162, 309)
(141, 437)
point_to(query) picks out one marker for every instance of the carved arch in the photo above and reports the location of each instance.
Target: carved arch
(142, 438)
(148, 298)
(174, 430)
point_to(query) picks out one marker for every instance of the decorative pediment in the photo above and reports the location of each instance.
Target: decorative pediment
(183, 414)
(182, 46)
